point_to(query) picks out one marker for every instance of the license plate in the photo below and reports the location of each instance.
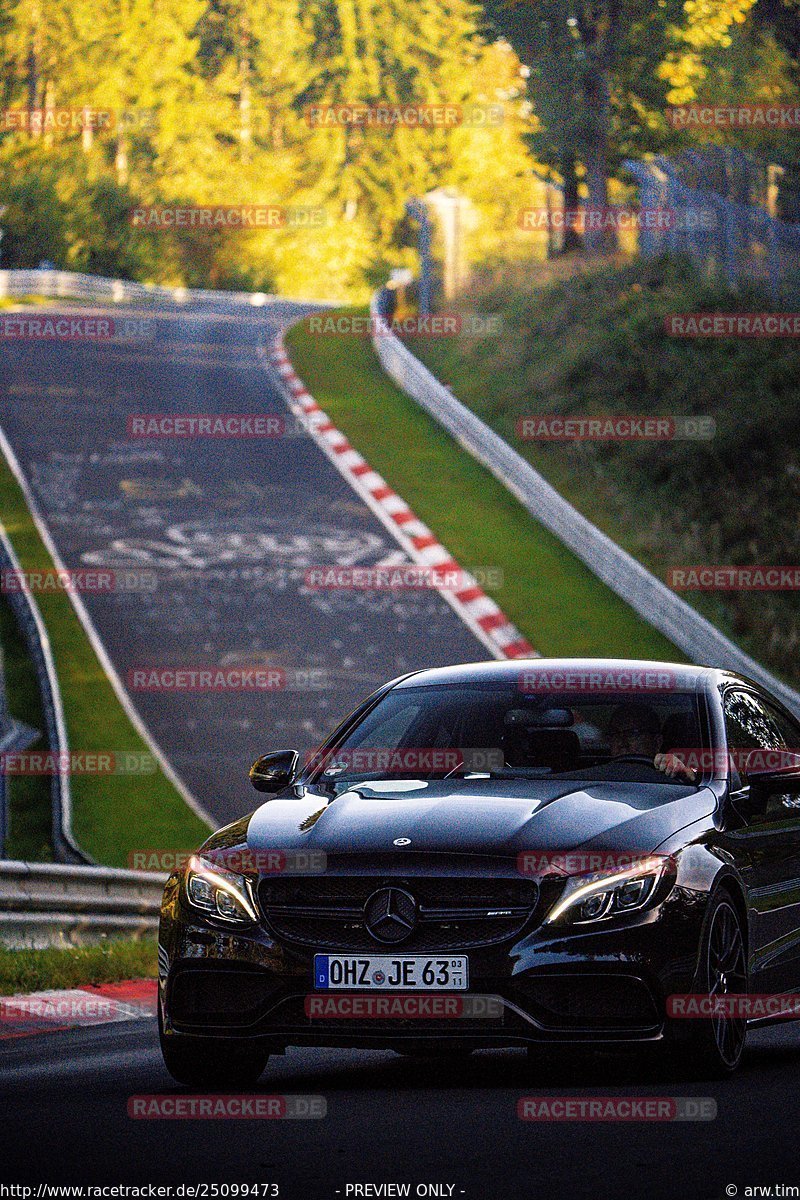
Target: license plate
(388, 972)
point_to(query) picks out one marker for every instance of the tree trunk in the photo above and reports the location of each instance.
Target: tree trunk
(33, 83)
(601, 239)
(245, 102)
(49, 111)
(573, 242)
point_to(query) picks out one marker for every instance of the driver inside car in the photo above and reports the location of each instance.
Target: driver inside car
(634, 729)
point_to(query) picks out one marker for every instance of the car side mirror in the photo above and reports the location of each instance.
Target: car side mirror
(274, 772)
(770, 772)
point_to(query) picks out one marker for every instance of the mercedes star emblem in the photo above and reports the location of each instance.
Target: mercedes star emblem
(390, 914)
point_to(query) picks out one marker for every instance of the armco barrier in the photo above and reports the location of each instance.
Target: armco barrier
(646, 594)
(46, 904)
(34, 633)
(68, 285)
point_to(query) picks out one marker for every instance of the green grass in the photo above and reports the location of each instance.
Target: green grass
(585, 342)
(56, 967)
(113, 814)
(30, 824)
(550, 596)
(22, 301)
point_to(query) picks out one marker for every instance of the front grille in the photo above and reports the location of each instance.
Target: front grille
(452, 913)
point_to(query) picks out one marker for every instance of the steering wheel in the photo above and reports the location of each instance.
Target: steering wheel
(634, 758)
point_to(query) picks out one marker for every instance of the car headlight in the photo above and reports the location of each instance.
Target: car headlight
(219, 893)
(589, 898)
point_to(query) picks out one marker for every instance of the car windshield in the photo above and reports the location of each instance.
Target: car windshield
(498, 730)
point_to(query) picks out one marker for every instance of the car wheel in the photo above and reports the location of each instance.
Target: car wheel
(714, 1045)
(210, 1062)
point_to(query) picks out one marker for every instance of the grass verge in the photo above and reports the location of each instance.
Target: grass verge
(70, 967)
(113, 814)
(548, 593)
(578, 342)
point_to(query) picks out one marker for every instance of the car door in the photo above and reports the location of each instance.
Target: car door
(767, 847)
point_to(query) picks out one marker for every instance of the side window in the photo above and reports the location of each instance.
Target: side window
(752, 724)
(748, 726)
(789, 732)
(788, 729)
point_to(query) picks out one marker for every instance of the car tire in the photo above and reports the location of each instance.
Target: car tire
(712, 1047)
(200, 1062)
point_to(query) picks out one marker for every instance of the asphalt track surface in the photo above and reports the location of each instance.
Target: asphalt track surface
(397, 1120)
(229, 528)
(225, 528)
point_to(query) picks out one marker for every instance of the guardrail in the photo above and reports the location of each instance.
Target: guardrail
(646, 594)
(14, 736)
(34, 633)
(69, 285)
(46, 904)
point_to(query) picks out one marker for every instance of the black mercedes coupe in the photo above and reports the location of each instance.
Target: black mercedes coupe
(536, 853)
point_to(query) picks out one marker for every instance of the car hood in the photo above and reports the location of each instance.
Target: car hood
(487, 817)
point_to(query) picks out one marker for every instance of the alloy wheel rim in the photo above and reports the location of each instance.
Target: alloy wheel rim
(727, 975)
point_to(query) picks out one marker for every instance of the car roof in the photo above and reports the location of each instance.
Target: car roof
(566, 672)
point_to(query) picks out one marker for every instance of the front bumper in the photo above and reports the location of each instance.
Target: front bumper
(553, 984)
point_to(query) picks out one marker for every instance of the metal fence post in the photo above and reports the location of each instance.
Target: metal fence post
(729, 246)
(417, 210)
(773, 260)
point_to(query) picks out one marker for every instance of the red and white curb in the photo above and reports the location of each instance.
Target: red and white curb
(53, 1011)
(477, 610)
